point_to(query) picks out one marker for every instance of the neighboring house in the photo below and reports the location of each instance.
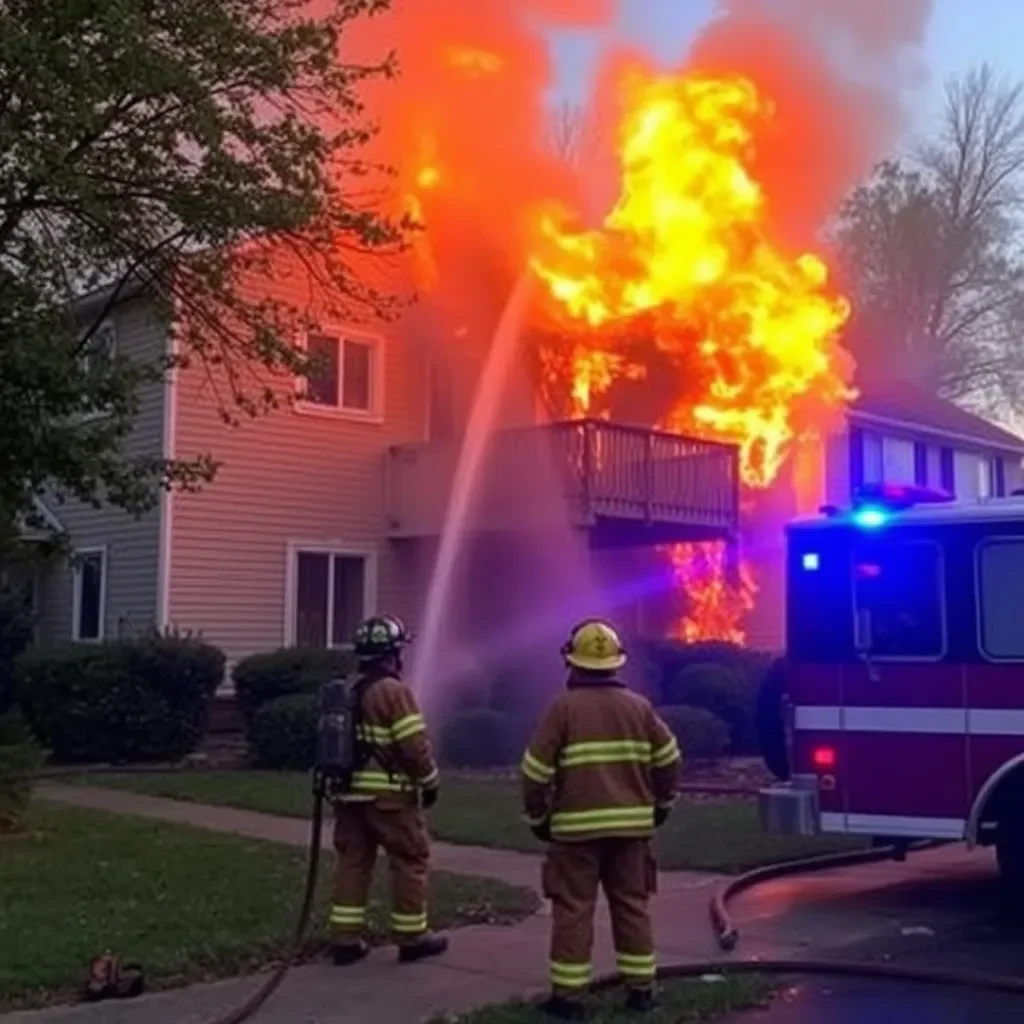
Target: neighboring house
(894, 433)
(331, 509)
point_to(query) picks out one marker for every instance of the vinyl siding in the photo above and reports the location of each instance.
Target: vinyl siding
(132, 544)
(285, 478)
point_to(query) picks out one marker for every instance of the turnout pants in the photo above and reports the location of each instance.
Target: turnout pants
(360, 830)
(573, 872)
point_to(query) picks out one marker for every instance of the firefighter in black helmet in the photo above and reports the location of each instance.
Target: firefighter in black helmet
(383, 806)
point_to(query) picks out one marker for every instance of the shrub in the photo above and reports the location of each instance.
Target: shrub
(265, 677)
(15, 637)
(124, 701)
(702, 735)
(717, 687)
(478, 738)
(282, 733)
(18, 754)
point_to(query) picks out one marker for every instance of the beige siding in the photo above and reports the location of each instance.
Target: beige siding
(132, 545)
(286, 478)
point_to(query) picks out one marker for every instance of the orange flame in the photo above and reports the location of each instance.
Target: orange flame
(686, 246)
(687, 242)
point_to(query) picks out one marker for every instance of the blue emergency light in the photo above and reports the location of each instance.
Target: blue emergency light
(870, 517)
(874, 504)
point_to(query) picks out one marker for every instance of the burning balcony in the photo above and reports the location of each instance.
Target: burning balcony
(625, 485)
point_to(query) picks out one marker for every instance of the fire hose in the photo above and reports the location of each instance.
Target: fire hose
(722, 923)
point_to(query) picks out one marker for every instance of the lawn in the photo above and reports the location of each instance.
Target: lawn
(680, 1001)
(188, 904)
(707, 835)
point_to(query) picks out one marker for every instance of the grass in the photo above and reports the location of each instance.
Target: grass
(713, 835)
(680, 1001)
(189, 904)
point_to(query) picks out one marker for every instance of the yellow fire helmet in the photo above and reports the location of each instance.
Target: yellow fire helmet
(594, 646)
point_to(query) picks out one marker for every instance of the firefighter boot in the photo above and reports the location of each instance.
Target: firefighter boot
(428, 946)
(349, 953)
(563, 1008)
(641, 1000)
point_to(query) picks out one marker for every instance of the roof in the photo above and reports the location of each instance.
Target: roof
(897, 403)
(979, 510)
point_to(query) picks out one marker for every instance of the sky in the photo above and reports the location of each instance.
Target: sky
(962, 33)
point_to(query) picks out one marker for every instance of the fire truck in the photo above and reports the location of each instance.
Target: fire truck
(897, 712)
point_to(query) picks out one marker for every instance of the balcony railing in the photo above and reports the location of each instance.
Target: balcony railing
(597, 472)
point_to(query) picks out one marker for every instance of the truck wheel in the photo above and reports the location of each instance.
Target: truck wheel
(770, 721)
(1010, 853)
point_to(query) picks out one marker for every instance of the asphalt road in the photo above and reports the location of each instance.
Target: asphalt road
(941, 910)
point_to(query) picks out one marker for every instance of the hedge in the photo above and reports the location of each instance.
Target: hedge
(261, 678)
(282, 733)
(122, 701)
(479, 738)
(19, 754)
(720, 689)
(702, 735)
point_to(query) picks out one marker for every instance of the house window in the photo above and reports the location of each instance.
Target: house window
(901, 586)
(90, 593)
(898, 460)
(98, 351)
(329, 597)
(1000, 568)
(345, 375)
(874, 464)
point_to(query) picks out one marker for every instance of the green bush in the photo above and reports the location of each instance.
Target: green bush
(261, 678)
(717, 687)
(282, 733)
(15, 637)
(702, 735)
(124, 701)
(19, 754)
(478, 738)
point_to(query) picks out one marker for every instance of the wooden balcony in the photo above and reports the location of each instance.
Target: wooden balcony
(625, 485)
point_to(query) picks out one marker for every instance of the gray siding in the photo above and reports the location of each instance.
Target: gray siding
(132, 545)
(290, 477)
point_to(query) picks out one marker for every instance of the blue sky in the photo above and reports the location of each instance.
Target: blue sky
(962, 33)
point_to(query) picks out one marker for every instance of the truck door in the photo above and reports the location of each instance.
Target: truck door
(904, 711)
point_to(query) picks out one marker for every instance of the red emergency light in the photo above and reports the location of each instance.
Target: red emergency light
(824, 758)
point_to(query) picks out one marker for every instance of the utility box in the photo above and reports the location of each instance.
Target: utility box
(791, 808)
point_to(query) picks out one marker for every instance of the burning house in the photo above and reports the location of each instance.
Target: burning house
(669, 364)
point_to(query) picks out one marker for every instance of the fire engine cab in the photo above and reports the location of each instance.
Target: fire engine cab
(898, 710)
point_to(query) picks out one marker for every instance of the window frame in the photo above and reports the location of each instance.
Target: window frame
(979, 604)
(76, 595)
(943, 609)
(376, 343)
(106, 325)
(332, 549)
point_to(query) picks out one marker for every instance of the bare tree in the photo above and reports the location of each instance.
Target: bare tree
(930, 246)
(574, 134)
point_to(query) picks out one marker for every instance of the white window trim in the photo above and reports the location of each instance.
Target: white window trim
(76, 593)
(375, 414)
(320, 547)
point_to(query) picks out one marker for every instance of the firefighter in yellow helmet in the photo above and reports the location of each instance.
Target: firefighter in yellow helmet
(600, 774)
(382, 808)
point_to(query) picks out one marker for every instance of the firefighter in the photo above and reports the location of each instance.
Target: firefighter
(600, 774)
(382, 807)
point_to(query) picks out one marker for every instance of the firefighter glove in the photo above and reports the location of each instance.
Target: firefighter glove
(429, 796)
(660, 816)
(542, 831)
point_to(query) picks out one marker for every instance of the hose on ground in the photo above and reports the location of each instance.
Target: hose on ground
(725, 928)
(248, 1009)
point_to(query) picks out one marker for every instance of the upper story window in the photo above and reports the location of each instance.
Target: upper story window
(89, 596)
(99, 350)
(346, 377)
